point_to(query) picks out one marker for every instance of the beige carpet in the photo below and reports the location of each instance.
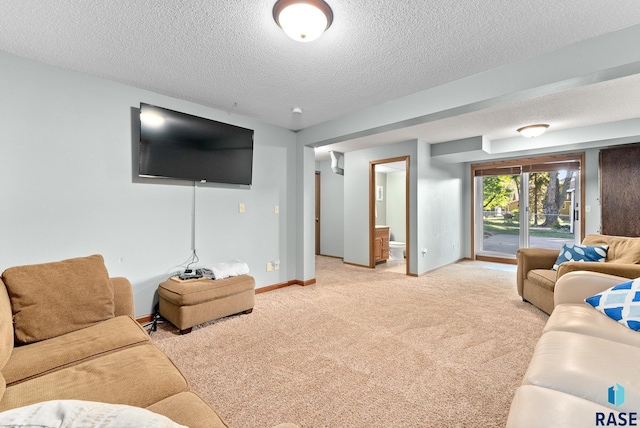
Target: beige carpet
(367, 348)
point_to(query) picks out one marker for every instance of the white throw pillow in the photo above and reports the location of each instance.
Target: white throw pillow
(77, 414)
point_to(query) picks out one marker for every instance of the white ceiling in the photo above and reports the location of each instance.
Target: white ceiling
(391, 167)
(599, 103)
(231, 55)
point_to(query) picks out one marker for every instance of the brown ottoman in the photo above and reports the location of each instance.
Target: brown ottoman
(193, 302)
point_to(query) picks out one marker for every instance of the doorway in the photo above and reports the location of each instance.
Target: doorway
(389, 229)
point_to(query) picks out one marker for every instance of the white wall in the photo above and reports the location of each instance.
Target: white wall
(305, 229)
(356, 196)
(592, 191)
(381, 206)
(435, 206)
(331, 211)
(396, 205)
(69, 185)
(441, 211)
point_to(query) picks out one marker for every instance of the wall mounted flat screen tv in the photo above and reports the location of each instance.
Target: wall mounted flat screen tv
(185, 147)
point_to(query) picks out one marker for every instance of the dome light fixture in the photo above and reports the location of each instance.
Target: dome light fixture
(303, 20)
(531, 131)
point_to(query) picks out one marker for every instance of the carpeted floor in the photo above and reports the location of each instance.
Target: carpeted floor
(367, 348)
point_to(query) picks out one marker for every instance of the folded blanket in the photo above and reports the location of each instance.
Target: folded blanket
(230, 268)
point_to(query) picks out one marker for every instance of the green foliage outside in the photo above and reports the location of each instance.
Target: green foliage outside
(498, 191)
(494, 225)
(502, 189)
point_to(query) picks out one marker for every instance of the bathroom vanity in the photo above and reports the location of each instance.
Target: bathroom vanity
(381, 244)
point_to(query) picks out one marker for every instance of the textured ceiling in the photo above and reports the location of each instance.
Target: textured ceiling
(604, 102)
(231, 55)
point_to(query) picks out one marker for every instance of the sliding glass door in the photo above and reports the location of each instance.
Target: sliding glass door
(552, 208)
(526, 203)
(500, 213)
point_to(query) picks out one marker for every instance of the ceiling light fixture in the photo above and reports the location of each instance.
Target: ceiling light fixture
(303, 20)
(531, 131)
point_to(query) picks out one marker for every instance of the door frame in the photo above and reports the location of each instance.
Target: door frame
(519, 163)
(372, 207)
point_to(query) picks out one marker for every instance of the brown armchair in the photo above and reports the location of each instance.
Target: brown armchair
(536, 280)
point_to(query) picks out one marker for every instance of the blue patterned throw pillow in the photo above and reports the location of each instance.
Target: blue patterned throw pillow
(581, 253)
(621, 303)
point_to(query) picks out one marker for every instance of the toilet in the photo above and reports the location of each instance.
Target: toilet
(396, 250)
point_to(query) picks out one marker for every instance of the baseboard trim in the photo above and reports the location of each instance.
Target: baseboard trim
(439, 267)
(273, 287)
(357, 265)
(285, 284)
(145, 319)
(497, 260)
(333, 257)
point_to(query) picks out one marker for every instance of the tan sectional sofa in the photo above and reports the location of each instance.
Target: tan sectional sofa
(581, 354)
(67, 332)
(536, 280)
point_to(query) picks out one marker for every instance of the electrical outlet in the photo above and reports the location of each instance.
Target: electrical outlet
(240, 208)
(269, 267)
(276, 265)
(276, 209)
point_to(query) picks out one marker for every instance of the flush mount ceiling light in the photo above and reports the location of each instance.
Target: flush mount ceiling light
(533, 130)
(303, 20)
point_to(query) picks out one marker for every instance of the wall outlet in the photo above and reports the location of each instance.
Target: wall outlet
(269, 267)
(276, 209)
(240, 208)
(276, 265)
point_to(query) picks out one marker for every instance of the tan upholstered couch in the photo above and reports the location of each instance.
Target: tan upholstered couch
(581, 354)
(536, 280)
(67, 332)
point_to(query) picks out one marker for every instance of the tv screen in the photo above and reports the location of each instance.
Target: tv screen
(181, 146)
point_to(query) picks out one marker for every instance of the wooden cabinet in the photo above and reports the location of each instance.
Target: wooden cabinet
(381, 244)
